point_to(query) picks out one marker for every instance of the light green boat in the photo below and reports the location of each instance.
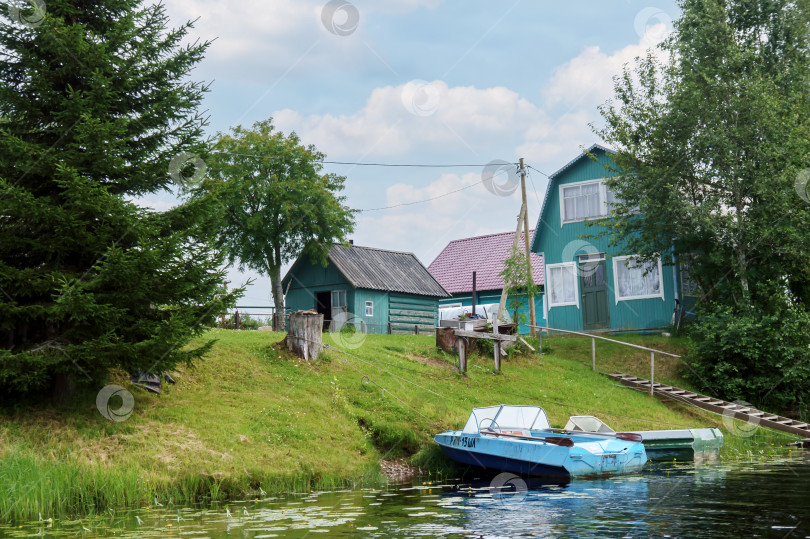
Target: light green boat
(680, 444)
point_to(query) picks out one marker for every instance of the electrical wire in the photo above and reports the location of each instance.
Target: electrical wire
(536, 195)
(412, 165)
(540, 171)
(358, 164)
(422, 201)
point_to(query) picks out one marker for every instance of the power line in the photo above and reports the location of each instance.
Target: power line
(536, 195)
(401, 164)
(412, 165)
(422, 201)
(355, 163)
(540, 171)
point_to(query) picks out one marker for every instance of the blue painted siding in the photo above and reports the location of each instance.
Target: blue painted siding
(301, 295)
(564, 242)
(494, 296)
(378, 321)
(405, 311)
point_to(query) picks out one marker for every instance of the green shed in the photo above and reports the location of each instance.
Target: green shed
(375, 290)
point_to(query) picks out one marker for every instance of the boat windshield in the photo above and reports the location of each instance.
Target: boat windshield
(506, 417)
(588, 423)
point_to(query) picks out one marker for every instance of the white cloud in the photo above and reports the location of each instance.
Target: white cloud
(421, 115)
(397, 120)
(587, 80)
(261, 40)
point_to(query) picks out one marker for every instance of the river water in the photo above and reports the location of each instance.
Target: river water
(665, 500)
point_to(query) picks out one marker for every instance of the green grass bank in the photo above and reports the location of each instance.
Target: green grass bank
(252, 418)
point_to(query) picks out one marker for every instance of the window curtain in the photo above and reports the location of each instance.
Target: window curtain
(633, 281)
(563, 285)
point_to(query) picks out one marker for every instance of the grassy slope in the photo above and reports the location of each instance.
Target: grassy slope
(250, 416)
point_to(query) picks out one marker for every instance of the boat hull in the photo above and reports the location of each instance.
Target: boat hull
(683, 444)
(586, 457)
(505, 464)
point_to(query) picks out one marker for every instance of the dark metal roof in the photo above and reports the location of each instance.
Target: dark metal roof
(378, 269)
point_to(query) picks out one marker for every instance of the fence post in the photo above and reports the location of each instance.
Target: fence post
(362, 327)
(461, 348)
(652, 372)
(593, 353)
(540, 340)
(389, 328)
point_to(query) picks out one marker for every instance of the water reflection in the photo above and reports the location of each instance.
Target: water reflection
(676, 500)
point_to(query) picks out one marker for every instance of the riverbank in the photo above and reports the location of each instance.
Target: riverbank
(250, 418)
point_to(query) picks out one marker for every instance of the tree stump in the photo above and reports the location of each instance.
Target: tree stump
(304, 336)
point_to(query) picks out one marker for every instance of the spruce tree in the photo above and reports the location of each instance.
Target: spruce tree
(96, 105)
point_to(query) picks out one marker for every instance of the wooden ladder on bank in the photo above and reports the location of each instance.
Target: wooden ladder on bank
(729, 409)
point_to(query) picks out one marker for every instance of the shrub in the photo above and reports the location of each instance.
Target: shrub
(760, 357)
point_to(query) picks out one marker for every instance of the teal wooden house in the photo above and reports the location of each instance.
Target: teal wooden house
(590, 285)
(484, 256)
(375, 290)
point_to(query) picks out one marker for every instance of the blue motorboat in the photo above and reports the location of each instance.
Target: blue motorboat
(519, 439)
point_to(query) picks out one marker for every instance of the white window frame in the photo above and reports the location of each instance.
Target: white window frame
(602, 200)
(369, 308)
(621, 259)
(573, 265)
(451, 305)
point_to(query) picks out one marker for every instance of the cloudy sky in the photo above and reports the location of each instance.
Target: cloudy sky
(422, 82)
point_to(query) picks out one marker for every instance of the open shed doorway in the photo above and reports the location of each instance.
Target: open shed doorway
(323, 304)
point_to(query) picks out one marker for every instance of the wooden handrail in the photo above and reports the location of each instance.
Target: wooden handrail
(592, 336)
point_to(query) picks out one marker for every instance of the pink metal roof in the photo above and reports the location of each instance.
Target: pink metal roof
(483, 254)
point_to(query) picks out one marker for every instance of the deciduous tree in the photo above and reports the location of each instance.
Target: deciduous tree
(276, 202)
(710, 142)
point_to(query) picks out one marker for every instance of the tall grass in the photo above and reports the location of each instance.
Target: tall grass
(33, 487)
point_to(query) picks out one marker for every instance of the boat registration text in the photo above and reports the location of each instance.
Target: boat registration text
(462, 441)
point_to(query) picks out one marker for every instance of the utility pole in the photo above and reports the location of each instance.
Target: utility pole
(532, 315)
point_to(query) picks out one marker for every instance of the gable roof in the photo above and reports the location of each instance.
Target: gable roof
(483, 254)
(552, 180)
(379, 269)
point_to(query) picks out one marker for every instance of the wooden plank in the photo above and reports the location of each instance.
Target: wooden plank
(410, 308)
(482, 335)
(724, 408)
(397, 315)
(412, 320)
(397, 298)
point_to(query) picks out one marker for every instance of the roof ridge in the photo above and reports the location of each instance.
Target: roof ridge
(352, 246)
(486, 236)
